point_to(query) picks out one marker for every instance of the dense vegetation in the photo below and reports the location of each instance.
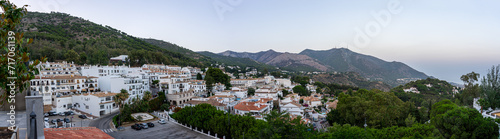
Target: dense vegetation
(280, 125)
(208, 118)
(384, 112)
(439, 90)
(59, 36)
(333, 88)
(215, 75)
(461, 122)
(350, 78)
(490, 88)
(379, 109)
(235, 61)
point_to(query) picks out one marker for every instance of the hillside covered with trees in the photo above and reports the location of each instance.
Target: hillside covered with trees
(236, 61)
(430, 91)
(60, 36)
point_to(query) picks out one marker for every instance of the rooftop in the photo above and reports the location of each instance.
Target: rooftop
(65, 77)
(75, 133)
(249, 106)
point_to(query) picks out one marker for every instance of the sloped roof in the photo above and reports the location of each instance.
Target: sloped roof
(249, 106)
(75, 133)
(332, 104)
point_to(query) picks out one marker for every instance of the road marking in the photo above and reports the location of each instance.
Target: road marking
(107, 130)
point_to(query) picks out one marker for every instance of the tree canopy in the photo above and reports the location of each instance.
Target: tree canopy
(299, 89)
(14, 53)
(490, 87)
(380, 109)
(215, 75)
(461, 122)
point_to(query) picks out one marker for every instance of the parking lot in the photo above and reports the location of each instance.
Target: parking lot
(74, 120)
(159, 131)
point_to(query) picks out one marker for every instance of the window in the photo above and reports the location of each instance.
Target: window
(87, 107)
(102, 106)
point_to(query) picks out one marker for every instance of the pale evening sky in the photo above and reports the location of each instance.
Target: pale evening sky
(444, 39)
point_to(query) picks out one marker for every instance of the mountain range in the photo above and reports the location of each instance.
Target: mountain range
(335, 60)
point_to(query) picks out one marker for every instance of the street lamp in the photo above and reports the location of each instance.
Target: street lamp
(191, 117)
(365, 124)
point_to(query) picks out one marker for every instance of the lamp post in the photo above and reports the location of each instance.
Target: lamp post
(191, 117)
(365, 124)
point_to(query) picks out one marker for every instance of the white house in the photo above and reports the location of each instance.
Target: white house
(62, 103)
(213, 102)
(122, 58)
(52, 86)
(412, 89)
(255, 109)
(58, 68)
(283, 82)
(293, 108)
(135, 85)
(96, 104)
(268, 93)
(311, 101)
(179, 98)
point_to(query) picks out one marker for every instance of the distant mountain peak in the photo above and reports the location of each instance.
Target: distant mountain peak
(345, 60)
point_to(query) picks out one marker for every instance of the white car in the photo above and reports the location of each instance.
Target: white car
(162, 121)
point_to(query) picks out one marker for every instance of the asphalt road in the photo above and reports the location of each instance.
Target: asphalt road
(160, 131)
(103, 122)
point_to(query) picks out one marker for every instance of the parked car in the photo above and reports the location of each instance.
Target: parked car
(46, 119)
(151, 124)
(83, 116)
(58, 120)
(67, 120)
(53, 121)
(162, 121)
(52, 113)
(144, 126)
(46, 114)
(137, 127)
(61, 114)
(69, 113)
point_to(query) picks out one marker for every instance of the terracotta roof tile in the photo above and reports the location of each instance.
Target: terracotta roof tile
(249, 106)
(75, 133)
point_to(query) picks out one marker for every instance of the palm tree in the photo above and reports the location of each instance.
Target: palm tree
(147, 96)
(121, 97)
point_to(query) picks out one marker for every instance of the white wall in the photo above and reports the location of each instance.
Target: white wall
(61, 104)
(87, 100)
